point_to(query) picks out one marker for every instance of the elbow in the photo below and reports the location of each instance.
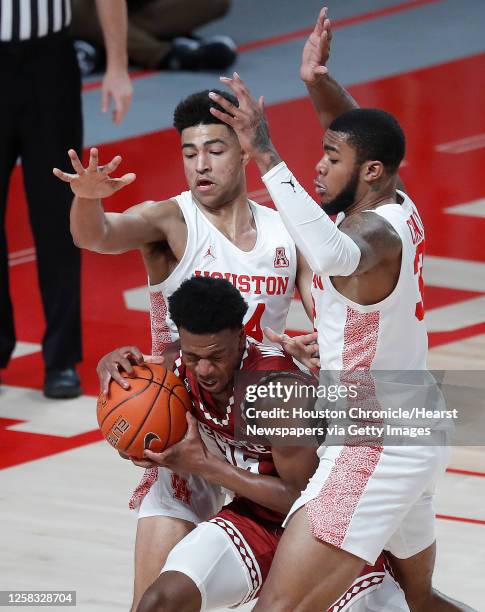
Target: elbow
(292, 494)
(323, 266)
(88, 245)
(77, 241)
(84, 242)
(81, 242)
(77, 237)
(329, 265)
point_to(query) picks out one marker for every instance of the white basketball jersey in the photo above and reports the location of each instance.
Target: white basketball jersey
(389, 335)
(265, 276)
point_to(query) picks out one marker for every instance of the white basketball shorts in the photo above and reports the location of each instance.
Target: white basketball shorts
(190, 498)
(365, 499)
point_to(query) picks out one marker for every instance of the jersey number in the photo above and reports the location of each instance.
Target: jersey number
(253, 326)
(418, 269)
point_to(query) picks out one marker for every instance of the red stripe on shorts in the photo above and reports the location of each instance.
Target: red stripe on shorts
(357, 588)
(246, 554)
(149, 477)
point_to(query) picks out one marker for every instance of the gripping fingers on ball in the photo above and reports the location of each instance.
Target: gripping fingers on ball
(116, 376)
(133, 353)
(125, 364)
(109, 372)
(157, 359)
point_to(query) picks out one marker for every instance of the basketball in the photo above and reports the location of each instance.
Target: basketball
(148, 415)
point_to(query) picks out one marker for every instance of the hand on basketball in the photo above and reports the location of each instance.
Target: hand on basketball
(247, 120)
(316, 50)
(189, 456)
(121, 359)
(94, 182)
(138, 462)
(303, 348)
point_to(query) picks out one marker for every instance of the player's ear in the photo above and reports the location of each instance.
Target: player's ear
(372, 171)
(242, 338)
(244, 158)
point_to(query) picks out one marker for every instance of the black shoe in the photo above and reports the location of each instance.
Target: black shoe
(62, 384)
(215, 53)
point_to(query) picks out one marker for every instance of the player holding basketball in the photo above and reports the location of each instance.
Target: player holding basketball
(369, 315)
(224, 561)
(211, 229)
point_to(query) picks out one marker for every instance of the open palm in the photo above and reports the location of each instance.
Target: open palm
(94, 182)
(316, 50)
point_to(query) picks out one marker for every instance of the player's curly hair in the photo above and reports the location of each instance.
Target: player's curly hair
(205, 305)
(194, 110)
(374, 134)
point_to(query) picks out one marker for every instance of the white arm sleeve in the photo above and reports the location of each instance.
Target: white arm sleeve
(328, 251)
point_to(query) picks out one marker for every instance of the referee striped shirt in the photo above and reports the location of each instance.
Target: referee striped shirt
(29, 19)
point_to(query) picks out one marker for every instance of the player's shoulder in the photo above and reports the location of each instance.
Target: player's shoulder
(375, 227)
(271, 223)
(154, 206)
(266, 357)
(265, 212)
(156, 210)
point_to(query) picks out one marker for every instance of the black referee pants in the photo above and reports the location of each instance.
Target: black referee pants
(40, 119)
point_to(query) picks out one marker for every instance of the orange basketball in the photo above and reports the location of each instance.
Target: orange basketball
(150, 414)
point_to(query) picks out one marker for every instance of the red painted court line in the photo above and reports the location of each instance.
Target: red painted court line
(465, 472)
(338, 23)
(460, 519)
(280, 38)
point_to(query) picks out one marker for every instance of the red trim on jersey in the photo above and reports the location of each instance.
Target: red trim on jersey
(161, 335)
(360, 339)
(161, 338)
(331, 512)
(257, 356)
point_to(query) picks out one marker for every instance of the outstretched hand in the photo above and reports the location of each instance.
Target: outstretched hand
(317, 50)
(94, 182)
(248, 120)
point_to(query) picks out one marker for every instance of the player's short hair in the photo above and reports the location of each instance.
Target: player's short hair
(194, 110)
(206, 305)
(374, 134)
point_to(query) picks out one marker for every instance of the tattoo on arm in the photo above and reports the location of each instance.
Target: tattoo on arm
(262, 141)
